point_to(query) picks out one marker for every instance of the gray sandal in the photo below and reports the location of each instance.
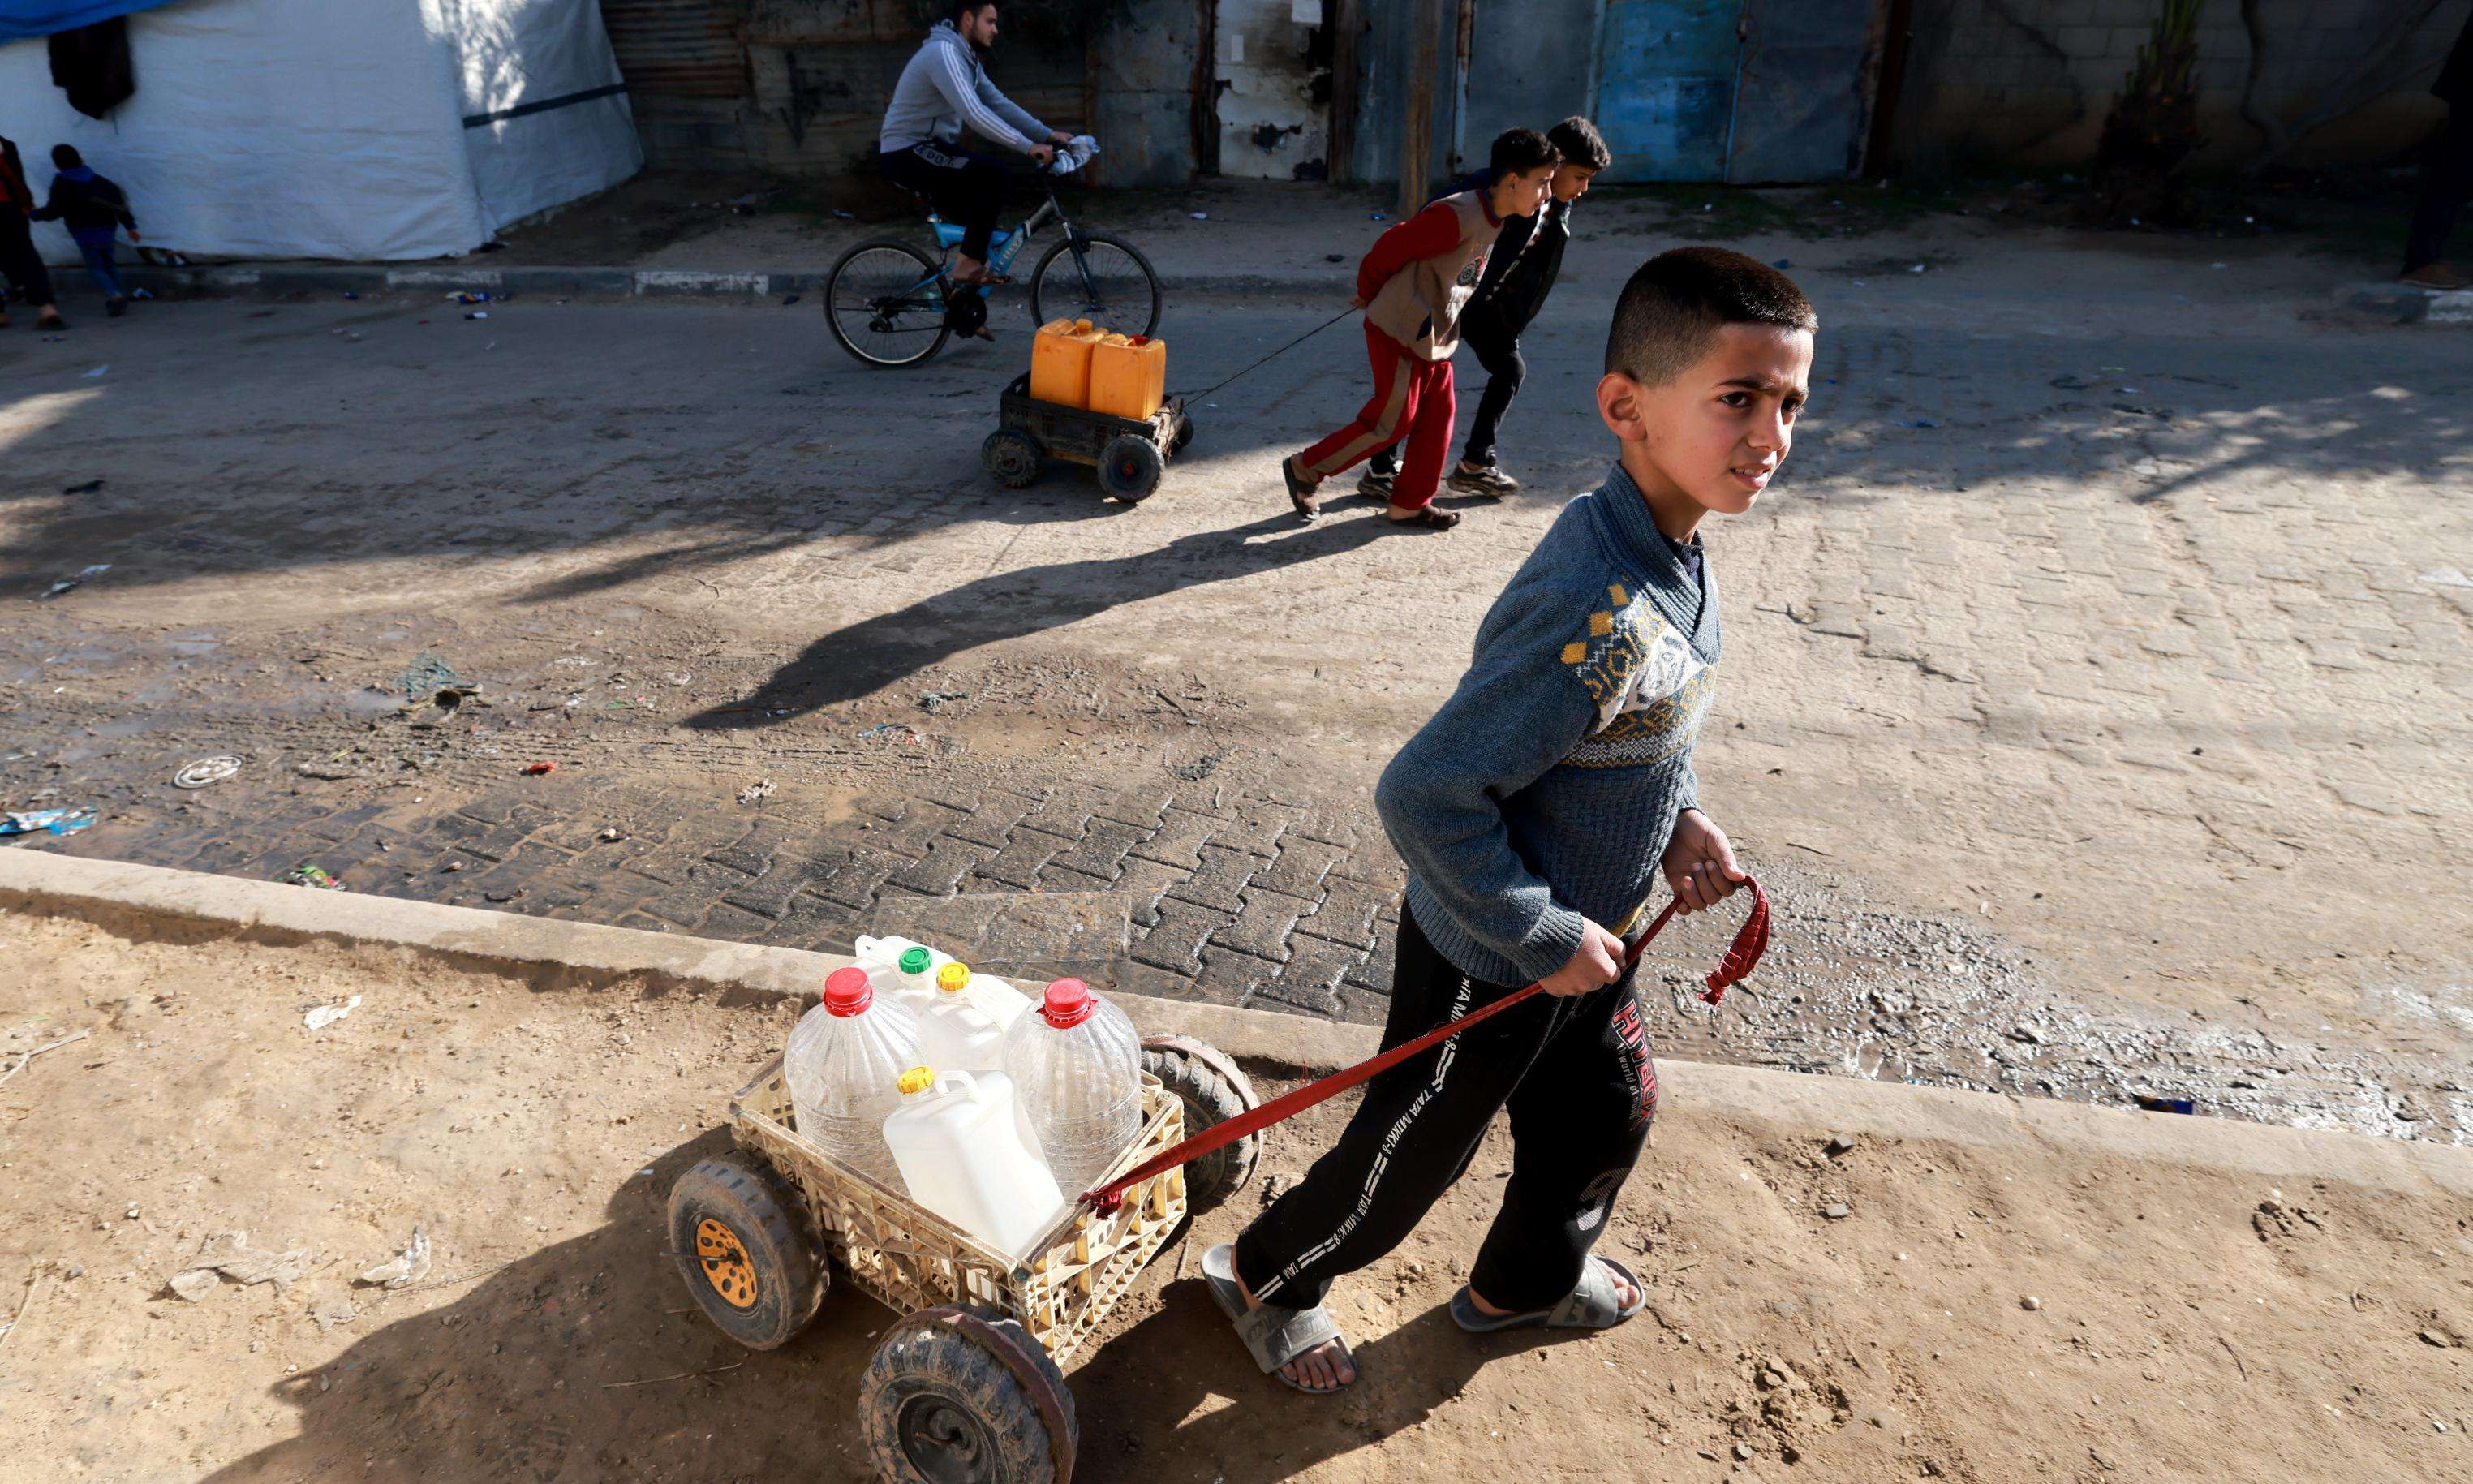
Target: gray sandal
(1591, 1305)
(1273, 1335)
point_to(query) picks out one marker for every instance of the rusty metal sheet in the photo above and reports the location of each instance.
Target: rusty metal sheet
(1666, 87)
(1803, 106)
(678, 48)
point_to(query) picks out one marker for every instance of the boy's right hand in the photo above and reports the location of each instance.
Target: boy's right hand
(1596, 964)
(1357, 302)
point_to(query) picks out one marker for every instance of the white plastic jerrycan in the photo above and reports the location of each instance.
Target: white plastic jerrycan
(900, 969)
(967, 1153)
(962, 1025)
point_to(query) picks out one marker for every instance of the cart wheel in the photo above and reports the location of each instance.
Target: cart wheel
(1184, 436)
(742, 1252)
(1212, 1090)
(1129, 466)
(1012, 456)
(957, 1396)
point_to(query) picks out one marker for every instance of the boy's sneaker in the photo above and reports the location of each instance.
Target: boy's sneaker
(1484, 480)
(115, 308)
(1375, 483)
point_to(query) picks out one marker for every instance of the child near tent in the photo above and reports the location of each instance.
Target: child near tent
(1538, 812)
(19, 263)
(94, 210)
(1412, 287)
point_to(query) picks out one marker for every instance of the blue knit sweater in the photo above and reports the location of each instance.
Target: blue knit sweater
(1545, 788)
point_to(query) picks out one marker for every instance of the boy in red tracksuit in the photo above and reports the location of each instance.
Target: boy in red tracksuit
(1413, 286)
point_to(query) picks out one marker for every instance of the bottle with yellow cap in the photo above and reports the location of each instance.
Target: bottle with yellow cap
(967, 1153)
(955, 1030)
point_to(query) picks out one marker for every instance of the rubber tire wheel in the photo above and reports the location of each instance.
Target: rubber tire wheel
(1011, 457)
(790, 1282)
(1039, 314)
(1184, 436)
(924, 1369)
(1208, 1102)
(1130, 468)
(926, 265)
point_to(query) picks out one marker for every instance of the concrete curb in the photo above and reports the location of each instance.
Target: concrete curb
(373, 280)
(2408, 306)
(125, 896)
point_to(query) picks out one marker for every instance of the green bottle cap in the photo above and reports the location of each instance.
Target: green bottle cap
(915, 961)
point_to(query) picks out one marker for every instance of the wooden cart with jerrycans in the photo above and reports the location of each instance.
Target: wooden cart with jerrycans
(1128, 454)
(965, 1387)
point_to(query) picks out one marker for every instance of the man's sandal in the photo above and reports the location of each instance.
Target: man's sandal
(1591, 1305)
(1428, 519)
(1300, 494)
(1274, 1337)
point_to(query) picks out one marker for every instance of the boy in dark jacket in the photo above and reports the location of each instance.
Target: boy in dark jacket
(1527, 258)
(1538, 812)
(1413, 287)
(19, 263)
(94, 210)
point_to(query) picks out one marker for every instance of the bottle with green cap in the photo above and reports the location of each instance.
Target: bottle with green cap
(900, 969)
(966, 1152)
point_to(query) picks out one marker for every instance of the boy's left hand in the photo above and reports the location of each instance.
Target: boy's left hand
(1700, 863)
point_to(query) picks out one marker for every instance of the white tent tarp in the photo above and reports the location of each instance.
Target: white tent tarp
(279, 129)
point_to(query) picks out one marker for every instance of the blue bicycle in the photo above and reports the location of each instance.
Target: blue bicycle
(891, 303)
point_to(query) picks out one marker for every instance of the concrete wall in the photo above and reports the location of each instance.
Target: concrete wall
(1274, 89)
(2029, 82)
(805, 89)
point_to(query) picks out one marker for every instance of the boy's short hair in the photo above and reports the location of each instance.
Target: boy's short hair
(1579, 143)
(1676, 303)
(65, 156)
(1517, 151)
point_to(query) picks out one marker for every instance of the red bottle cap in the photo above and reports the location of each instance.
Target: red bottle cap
(848, 992)
(1068, 1003)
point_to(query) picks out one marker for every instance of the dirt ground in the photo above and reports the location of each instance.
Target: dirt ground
(1973, 1316)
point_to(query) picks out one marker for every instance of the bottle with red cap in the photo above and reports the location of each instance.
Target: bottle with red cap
(1077, 1066)
(843, 1066)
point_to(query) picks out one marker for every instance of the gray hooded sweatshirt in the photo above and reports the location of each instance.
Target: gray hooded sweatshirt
(943, 87)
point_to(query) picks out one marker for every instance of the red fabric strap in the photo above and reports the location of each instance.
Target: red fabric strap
(1741, 957)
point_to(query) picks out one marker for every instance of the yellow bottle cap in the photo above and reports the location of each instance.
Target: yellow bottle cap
(918, 1079)
(953, 978)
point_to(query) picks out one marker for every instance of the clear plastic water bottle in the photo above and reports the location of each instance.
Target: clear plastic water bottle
(901, 970)
(1076, 1064)
(843, 1066)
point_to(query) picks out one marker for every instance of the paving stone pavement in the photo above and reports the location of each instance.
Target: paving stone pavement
(1200, 892)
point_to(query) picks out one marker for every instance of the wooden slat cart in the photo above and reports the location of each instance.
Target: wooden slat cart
(966, 1386)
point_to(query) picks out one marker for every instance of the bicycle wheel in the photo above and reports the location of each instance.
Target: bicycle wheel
(885, 301)
(1107, 283)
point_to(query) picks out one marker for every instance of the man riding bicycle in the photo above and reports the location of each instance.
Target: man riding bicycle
(943, 87)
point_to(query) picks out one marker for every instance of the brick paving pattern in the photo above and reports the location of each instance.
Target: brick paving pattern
(1201, 895)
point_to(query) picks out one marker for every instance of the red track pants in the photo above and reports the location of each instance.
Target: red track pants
(1412, 398)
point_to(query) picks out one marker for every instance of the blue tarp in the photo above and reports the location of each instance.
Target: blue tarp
(23, 18)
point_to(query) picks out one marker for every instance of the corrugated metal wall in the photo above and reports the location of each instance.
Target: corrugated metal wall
(687, 78)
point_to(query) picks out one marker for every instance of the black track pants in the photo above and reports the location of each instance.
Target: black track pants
(2446, 181)
(1577, 1077)
(20, 264)
(966, 189)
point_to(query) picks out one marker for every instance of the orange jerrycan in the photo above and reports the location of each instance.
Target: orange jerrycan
(1128, 376)
(1060, 362)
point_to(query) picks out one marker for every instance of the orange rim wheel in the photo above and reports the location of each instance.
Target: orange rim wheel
(725, 1262)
